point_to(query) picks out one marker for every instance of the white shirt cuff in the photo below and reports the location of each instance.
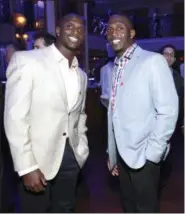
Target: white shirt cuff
(104, 97)
(26, 171)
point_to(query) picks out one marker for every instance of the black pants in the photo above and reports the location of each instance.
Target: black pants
(166, 170)
(1, 178)
(59, 196)
(139, 188)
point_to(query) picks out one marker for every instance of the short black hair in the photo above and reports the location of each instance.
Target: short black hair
(167, 46)
(126, 18)
(69, 16)
(48, 38)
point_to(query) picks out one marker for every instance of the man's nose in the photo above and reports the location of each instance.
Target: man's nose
(75, 31)
(168, 57)
(115, 33)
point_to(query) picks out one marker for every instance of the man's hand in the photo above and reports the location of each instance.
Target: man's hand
(115, 171)
(35, 181)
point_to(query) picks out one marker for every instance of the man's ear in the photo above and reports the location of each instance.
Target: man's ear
(174, 59)
(57, 31)
(132, 34)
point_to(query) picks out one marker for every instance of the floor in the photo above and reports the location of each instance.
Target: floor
(99, 191)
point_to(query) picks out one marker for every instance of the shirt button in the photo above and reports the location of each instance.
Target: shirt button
(64, 134)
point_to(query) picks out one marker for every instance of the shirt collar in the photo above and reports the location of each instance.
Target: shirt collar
(127, 54)
(59, 57)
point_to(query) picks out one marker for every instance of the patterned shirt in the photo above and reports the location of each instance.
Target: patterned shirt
(119, 67)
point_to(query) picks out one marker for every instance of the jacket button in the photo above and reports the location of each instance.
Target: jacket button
(64, 134)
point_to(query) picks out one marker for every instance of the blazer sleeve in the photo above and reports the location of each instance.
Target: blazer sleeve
(18, 96)
(165, 101)
(82, 128)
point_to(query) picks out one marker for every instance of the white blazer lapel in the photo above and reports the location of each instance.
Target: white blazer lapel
(128, 73)
(131, 64)
(56, 74)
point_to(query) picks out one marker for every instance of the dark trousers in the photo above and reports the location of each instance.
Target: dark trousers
(166, 170)
(59, 196)
(1, 178)
(139, 188)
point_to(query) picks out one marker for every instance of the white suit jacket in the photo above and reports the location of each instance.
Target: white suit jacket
(36, 116)
(146, 111)
(105, 82)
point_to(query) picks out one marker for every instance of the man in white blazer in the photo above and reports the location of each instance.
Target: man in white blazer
(105, 82)
(142, 115)
(45, 120)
